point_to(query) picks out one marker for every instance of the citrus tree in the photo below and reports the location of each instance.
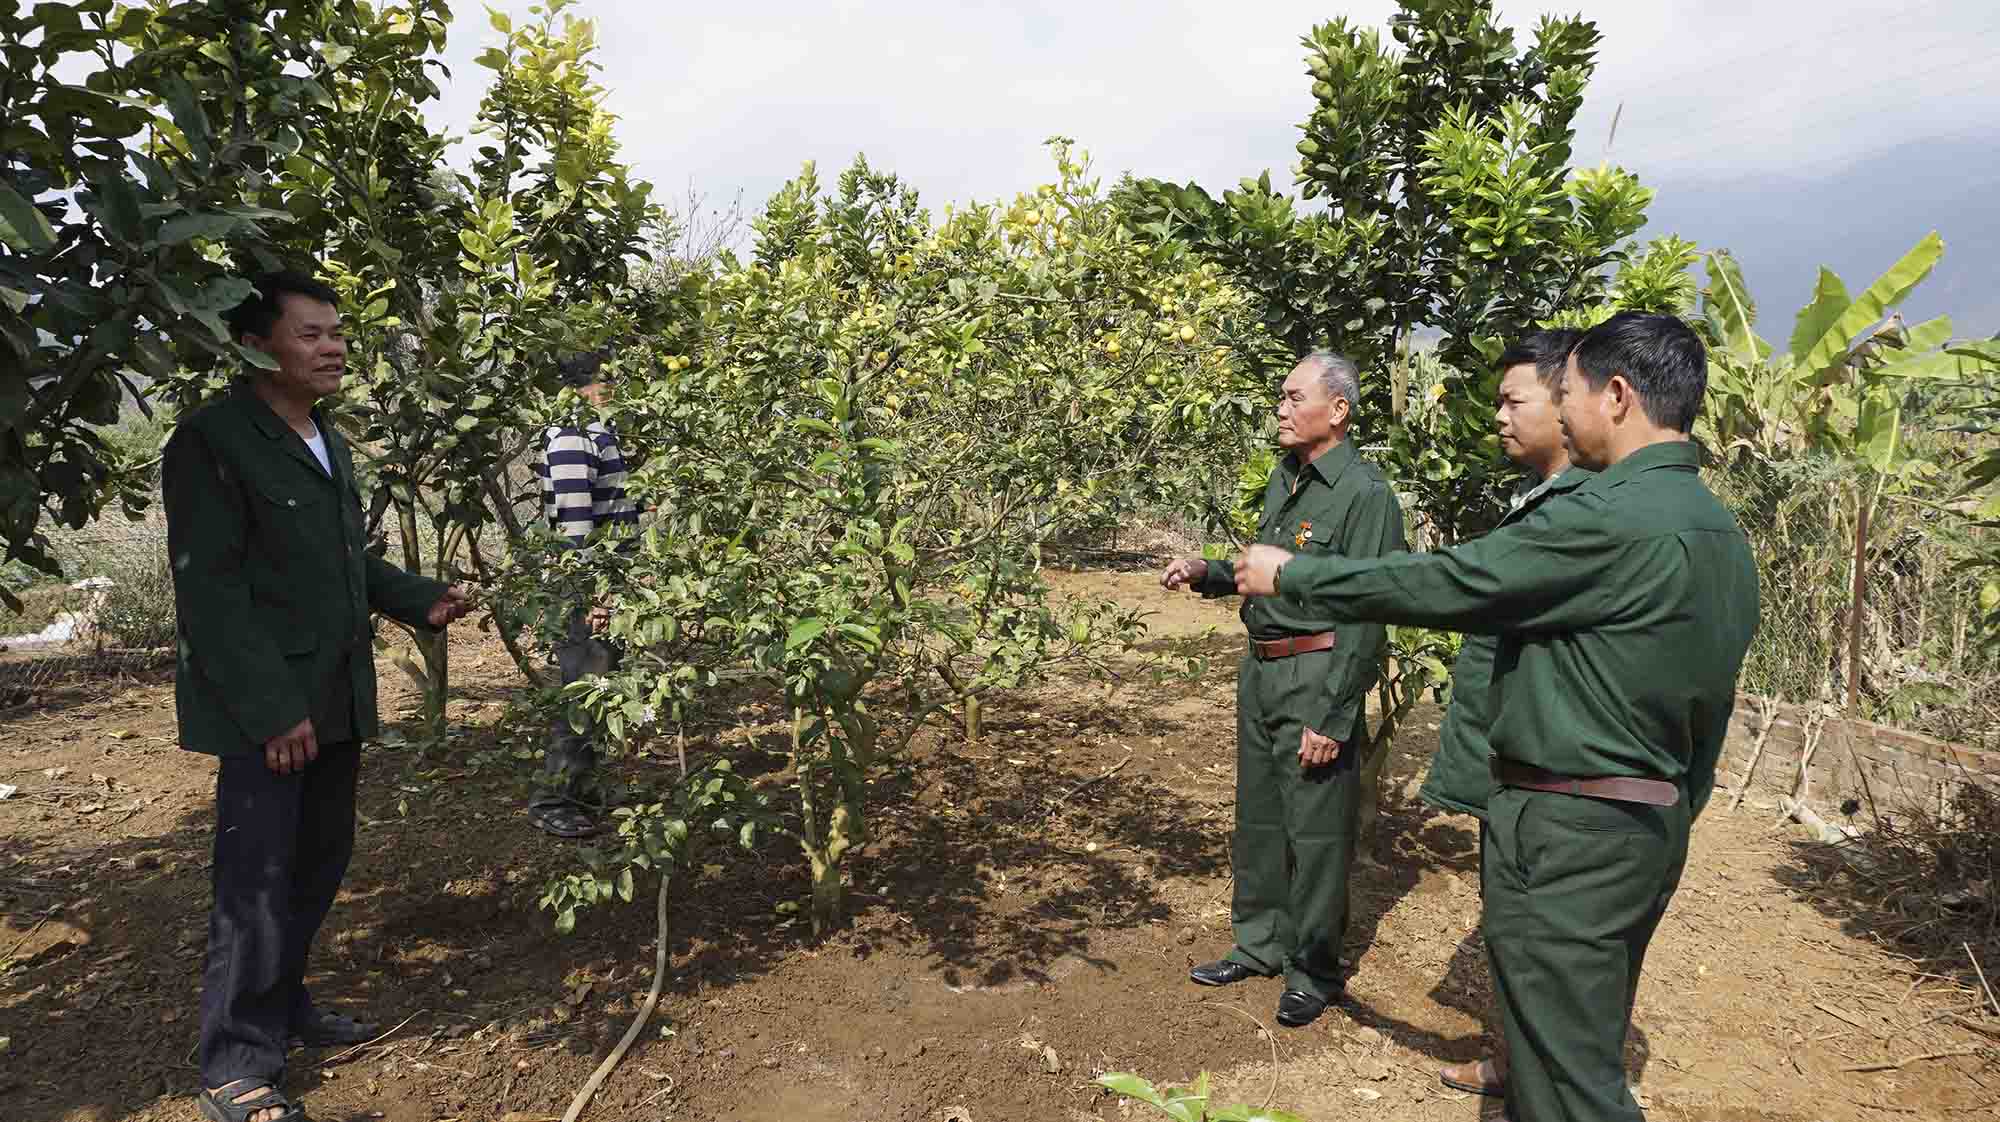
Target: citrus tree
(884, 420)
(457, 290)
(136, 146)
(1443, 163)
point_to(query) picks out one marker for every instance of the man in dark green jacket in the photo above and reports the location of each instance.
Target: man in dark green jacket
(1531, 435)
(1300, 721)
(1624, 609)
(273, 589)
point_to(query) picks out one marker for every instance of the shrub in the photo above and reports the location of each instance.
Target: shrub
(138, 609)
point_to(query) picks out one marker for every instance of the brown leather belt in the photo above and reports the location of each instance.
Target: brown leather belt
(1295, 645)
(1624, 789)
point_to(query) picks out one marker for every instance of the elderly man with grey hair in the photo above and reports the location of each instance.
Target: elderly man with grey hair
(1301, 723)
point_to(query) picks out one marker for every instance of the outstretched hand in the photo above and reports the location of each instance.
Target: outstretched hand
(1257, 570)
(1186, 572)
(454, 604)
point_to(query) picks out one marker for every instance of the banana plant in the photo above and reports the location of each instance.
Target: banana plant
(1839, 388)
(1189, 1103)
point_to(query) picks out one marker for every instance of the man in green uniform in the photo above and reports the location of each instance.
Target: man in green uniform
(1624, 607)
(1300, 721)
(1461, 775)
(273, 590)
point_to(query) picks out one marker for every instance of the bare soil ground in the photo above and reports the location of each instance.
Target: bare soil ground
(1018, 928)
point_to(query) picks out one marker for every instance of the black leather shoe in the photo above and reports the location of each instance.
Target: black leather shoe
(1221, 972)
(1297, 1008)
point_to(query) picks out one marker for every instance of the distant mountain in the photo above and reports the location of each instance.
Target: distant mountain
(1856, 220)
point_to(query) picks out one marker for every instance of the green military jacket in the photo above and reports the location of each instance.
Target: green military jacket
(1337, 506)
(1624, 610)
(1460, 775)
(273, 583)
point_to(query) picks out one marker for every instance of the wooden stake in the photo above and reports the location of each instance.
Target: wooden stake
(1983, 983)
(1756, 752)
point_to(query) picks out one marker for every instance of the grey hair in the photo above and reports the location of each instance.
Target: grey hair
(1338, 374)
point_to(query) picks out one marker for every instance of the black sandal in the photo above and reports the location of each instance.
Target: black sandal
(563, 821)
(327, 1029)
(220, 1105)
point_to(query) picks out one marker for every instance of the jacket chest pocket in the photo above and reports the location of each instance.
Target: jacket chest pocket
(295, 519)
(1303, 534)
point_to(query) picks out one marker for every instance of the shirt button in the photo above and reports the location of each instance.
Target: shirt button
(291, 502)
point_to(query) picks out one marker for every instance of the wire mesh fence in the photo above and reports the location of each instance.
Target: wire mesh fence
(1920, 666)
(113, 611)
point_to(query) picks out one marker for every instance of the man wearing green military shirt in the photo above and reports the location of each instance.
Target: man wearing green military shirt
(273, 592)
(1300, 720)
(1624, 609)
(1531, 435)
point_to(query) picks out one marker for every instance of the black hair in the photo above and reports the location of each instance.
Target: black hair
(1548, 350)
(584, 369)
(260, 312)
(1660, 355)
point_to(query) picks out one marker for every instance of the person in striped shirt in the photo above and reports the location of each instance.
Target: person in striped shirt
(584, 501)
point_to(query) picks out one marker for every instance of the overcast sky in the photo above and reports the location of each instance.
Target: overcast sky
(1795, 132)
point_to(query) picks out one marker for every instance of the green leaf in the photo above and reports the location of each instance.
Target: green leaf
(803, 632)
(1829, 300)
(500, 21)
(1728, 305)
(1829, 351)
(118, 206)
(159, 363)
(22, 226)
(1936, 364)
(1131, 1086)
(1929, 335)
(55, 19)
(867, 636)
(187, 227)
(624, 882)
(184, 106)
(1879, 430)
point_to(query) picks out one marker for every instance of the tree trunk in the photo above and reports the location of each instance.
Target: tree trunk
(434, 676)
(1376, 753)
(1864, 508)
(973, 727)
(508, 629)
(1399, 376)
(824, 843)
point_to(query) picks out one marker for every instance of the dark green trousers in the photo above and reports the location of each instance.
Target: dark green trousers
(1294, 836)
(1574, 889)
